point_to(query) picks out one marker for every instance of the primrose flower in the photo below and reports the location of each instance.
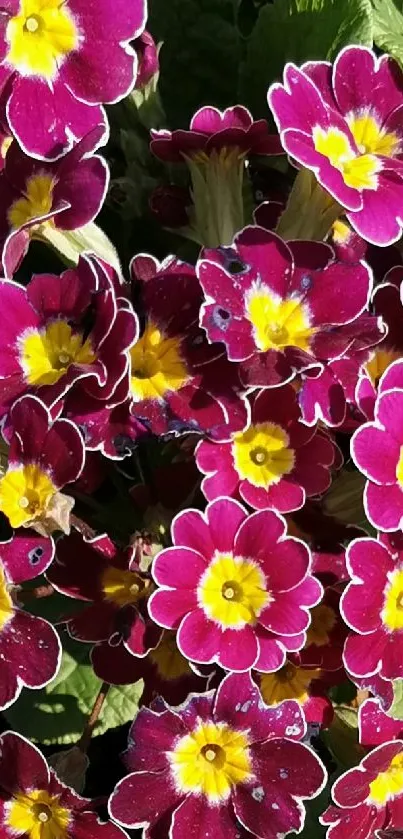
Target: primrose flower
(369, 796)
(147, 55)
(178, 381)
(371, 606)
(59, 62)
(215, 149)
(36, 804)
(37, 196)
(236, 588)
(344, 124)
(44, 456)
(303, 684)
(29, 646)
(275, 462)
(280, 308)
(377, 450)
(222, 765)
(62, 330)
(116, 592)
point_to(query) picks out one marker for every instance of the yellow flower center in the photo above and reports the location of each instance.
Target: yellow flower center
(291, 682)
(6, 604)
(38, 815)
(233, 591)
(392, 612)
(388, 783)
(124, 587)
(40, 37)
(170, 663)
(370, 137)
(46, 356)
(156, 365)
(211, 761)
(262, 454)
(25, 494)
(278, 323)
(359, 171)
(323, 620)
(37, 201)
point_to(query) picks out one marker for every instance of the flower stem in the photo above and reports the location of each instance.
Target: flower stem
(310, 211)
(85, 739)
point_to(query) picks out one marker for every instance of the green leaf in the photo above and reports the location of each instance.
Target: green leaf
(298, 31)
(345, 500)
(199, 56)
(388, 26)
(56, 715)
(396, 709)
(342, 737)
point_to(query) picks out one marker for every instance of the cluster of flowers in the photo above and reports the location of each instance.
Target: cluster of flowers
(253, 361)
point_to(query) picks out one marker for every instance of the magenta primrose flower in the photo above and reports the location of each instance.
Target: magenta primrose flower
(371, 607)
(61, 331)
(222, 765)
(116, 592)
(44, 456)
(275, 462)
(344, 123)
(30, 649)
(213, 132)
(369, 796)
(59, 62)
(215, 150)
(147, 56)
(236, 588)
(36, 804)
(36, 195)
(377, 450)
(280, 308)
(178, 381)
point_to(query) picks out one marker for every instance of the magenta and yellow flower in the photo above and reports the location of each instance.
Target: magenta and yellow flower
(235, 587)
(36, 804)
(275, 462)
(62, 332)
(371, 606)
(368, 797)
(115, 592)
(44, 456)
(277, 306)
(178, 381)
(344, 124)
(223, 764)
(37, 196)
(59, 61)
